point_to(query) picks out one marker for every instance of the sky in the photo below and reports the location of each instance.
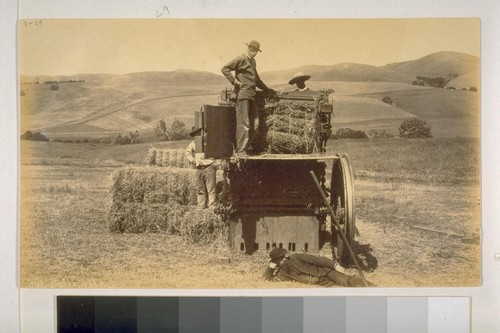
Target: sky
(120, 46)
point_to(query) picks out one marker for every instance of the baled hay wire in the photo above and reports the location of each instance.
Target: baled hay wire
(182, 160)
(290, 128)
(154, 185)
(151, 157)
(132, 217)
(159, 157)
(166, 158)
(172, 161)
(202, 226)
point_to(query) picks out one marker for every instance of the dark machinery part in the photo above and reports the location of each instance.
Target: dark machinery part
(342, 201)
(339, 229)
(276, 203)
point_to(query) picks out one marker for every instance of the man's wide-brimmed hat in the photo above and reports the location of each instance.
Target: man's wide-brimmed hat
(299, 76)
(255, 44)
(195, 131)
(276, 254)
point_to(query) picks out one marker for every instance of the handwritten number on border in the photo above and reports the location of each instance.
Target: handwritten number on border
(34, 23)
(164, 9)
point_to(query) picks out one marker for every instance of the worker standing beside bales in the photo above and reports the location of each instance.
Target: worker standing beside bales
(205, 173)
(245, 81)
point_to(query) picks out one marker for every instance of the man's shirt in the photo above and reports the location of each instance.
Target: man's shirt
(198, 159)
(245, 70)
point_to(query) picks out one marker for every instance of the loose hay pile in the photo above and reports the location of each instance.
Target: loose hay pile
(161, 200)
(174, 158)
(289, 127)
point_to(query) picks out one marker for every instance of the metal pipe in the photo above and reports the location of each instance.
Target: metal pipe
(337, 225)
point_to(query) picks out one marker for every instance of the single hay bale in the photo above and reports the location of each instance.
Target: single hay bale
(132, 217)
(202, 226)
(289, 127)
(154, 185)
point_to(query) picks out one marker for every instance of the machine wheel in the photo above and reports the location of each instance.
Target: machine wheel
(342, 202)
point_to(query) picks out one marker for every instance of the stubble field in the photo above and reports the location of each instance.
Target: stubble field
(418, 217)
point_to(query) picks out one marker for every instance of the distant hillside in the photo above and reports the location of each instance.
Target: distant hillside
(104, 104)
(434, 65)
(440, 64)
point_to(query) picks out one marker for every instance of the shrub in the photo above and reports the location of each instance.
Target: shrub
(54, 87)
(472, 89)
(415, 128)
(121, 140)
(387, 100)
(161, 130)
(37, 136)
(178, 130)
(347, 133)
(134, 137)
(437, 82)
(27, 135)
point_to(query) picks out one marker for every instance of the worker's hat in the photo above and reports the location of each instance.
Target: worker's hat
(276, 254)
(195, 131)
(255, 44)
(299, 76)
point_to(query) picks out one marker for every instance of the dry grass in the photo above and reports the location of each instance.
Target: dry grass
(65, 241)
(289, 128)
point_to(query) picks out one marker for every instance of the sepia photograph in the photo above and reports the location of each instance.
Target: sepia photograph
(249, 153)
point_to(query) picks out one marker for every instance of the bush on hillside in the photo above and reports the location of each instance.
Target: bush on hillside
(161, 130)
(437, 82)
(178, 130)
(347, 133)
(472, 89)
(37, 136)
(387, 100)
(54, 87)
(415, 128)
(132, 138)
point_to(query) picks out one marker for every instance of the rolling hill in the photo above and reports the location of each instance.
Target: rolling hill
(106, 104)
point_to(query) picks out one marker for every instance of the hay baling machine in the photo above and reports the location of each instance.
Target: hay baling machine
(274, 196)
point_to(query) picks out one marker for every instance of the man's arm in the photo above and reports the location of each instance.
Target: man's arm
(228, 68)
(190, 151)
(260, 84)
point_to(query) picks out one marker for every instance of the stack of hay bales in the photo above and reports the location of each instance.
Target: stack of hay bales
(151, 199)
(290, 127)
(174, 158)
